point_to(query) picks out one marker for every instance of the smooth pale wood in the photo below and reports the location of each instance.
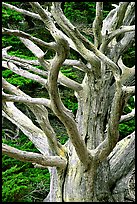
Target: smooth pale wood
(97, 168)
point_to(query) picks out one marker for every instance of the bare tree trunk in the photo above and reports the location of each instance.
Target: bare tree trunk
(109, 181)
(93, 165)
(95, 184)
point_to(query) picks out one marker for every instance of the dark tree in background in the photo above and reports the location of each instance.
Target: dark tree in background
(93, 165)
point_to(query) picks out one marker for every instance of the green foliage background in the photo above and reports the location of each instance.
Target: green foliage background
(21, 182)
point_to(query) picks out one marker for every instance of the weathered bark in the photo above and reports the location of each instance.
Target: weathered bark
(93, 165)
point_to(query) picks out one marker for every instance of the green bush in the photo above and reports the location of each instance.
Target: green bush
(21, 182)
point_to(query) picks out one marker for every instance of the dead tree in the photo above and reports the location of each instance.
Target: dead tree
(93, 165)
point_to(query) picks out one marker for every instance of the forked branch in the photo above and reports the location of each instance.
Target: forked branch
(58, 107)
(41, 113)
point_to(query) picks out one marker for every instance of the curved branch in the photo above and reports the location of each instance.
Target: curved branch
(115, 114)
(122, 66)
(4, 51)
(72, 32)
(72, 45)
(114, 18)
(128, 116)
(128, 74)
(121, 30)
(32, 47)
(40, 54)
(112, 22)
(126, 42)
(69, 82)
(58, 108)
(112, 135)
(13, 89)
(33, 157)
(129, 38)
(78, 64)
(61, 79)
(22, 34)
(81, 42)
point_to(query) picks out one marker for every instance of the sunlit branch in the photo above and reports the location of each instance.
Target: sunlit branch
(30, 67)
(33, 157)
(122, 46)
(72, 45)
(41, 113)
(128, 90)
(23, 11)
(5, 56)
(69, 82)
(128, 116)
(77, 64)
(24, 73)
(12, 89)
(25, 99)
(32, 47)
(80, 44)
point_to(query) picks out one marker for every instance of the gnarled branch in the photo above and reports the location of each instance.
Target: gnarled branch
(59, 108)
